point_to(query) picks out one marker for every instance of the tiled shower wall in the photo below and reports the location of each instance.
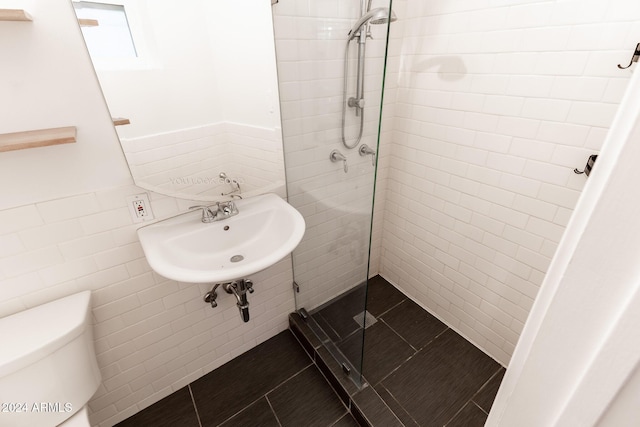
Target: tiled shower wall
(497, 103)
(189, 161)
(152, 335)
(310, 47)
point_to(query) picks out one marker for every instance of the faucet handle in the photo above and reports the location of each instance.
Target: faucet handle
(337, 156)
(227, 208)
(366, 150)
(207, 214)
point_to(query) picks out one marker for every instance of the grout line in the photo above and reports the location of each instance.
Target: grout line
(391, 308)
(341, 340)
(341, 417)
(398, 334)
(273, 410)
(195, 407)
(471, 401)
(483, 386)
(437, 336)
(399, 404)
(265, 395)
(238, 413)
(386, 406)
(410, 357)
(395, 369)
(292, 376)
(479, 407)
(457, 412)
(317, 369)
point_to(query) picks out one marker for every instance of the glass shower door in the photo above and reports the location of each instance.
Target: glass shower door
(330, 128)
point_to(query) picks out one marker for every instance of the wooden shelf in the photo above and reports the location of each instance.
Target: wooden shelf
(120, 121)
(37, 138)
(14, 15)
(88, 22)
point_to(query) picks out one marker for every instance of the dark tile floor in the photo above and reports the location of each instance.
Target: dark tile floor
(419, 372)
(274, 384)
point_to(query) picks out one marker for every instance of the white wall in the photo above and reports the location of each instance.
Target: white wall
(576, 363)
(246, 60)
(65, 227)
(46, 83)
(185, 77)
(496, 104)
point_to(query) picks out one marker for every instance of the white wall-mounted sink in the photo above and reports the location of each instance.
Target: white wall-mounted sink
(185, 249)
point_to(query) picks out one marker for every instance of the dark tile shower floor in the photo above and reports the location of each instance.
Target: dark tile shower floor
(419, 373)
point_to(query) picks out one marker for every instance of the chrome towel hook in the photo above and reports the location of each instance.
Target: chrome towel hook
(634, 58)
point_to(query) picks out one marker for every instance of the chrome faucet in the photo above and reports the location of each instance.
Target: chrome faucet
(207, 214)
(227, 209)
(365, 150)
(223, 210)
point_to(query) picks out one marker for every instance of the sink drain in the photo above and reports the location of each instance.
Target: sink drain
(236, 258)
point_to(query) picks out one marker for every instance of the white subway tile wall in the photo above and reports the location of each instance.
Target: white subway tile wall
(189, 161)
(152, 335)
(496, 103)
(310, 47)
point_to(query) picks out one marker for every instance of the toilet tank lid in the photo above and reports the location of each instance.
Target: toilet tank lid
(33, 334)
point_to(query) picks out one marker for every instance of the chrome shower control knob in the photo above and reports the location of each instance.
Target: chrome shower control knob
(336, 156)
(365, 150)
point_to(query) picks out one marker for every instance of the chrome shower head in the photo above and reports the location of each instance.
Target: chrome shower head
(379, 15)
(383, 17)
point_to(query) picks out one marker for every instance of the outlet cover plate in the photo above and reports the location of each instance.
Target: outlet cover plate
(140, 200)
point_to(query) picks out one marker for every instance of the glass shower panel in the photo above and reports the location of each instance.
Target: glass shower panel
(330, 158)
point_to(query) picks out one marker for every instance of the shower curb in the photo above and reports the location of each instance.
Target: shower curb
(369, 411)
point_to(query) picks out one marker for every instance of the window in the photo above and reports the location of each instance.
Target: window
(111, 38)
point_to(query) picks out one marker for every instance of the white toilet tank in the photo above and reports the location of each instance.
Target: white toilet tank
(48, 367)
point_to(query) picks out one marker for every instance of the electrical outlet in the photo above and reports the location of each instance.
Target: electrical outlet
(139, 207)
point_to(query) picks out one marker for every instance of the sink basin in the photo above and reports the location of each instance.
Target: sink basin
(185, 249)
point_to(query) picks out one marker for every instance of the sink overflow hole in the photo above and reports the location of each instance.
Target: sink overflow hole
(236, 258)
(226, 227)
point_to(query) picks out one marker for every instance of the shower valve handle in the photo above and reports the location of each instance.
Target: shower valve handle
(336, 156)
(365, 150)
